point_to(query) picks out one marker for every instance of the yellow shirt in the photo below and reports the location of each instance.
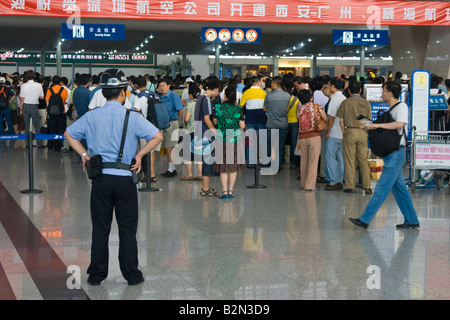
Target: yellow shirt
(292, 114)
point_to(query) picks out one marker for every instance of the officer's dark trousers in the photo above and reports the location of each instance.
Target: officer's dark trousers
(116, 194)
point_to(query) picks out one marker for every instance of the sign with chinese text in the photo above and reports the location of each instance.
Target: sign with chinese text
(95, 59)
(361, 37)
(348, 12)
(230, 35)
(112, 32)
(432, 155)
(437, 102)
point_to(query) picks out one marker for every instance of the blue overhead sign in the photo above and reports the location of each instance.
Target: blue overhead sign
(86, 31)
(360, 37)
(437, 102)
(231, 35)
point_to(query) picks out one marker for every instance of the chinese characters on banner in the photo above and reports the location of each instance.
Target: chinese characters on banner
(432, 155)
(431, 13)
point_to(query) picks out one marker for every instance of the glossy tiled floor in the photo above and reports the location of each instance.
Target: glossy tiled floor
(270, 244)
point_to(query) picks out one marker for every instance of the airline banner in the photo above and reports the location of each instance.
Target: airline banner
(356, 12)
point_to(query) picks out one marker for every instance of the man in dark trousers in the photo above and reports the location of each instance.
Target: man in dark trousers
(114, 190)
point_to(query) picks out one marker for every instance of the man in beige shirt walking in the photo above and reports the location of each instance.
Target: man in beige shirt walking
(354, 142)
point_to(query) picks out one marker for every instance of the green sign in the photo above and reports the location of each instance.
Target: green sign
(94, 59)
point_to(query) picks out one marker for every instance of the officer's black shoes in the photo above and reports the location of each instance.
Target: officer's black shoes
(136, 282)
(358, 223)
(407, 226)
(93, 282)
(169, 174)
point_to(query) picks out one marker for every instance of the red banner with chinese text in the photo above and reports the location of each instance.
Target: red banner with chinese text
(354, 12)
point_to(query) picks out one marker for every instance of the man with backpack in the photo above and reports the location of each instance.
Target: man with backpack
(141, 104)
(57, 121)
(6, 96)
(391, 178)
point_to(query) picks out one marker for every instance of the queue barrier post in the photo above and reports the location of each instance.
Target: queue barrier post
(31, 189)
(149, 187)
(256, 185)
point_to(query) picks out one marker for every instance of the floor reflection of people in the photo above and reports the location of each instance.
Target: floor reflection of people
(306, 248)
(225, 264)
(394, 277)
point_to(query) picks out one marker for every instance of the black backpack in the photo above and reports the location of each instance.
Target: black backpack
(3, 99)
(55, 103)
(382, 142)
(157, 112)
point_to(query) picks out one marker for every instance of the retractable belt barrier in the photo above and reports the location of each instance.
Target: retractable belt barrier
(39, 136)
(30, 137)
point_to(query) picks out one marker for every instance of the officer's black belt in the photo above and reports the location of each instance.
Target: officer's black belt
(116, 165)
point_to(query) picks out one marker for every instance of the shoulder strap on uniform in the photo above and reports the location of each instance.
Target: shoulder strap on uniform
(124, 132)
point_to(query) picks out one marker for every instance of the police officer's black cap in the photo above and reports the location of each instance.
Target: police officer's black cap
(113, 78)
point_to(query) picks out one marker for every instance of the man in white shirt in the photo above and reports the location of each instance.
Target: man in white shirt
(334, 157)
(141, 105)
(30, 93)
(185, 94)
(98, 100)
(391, 178)
(318, 95)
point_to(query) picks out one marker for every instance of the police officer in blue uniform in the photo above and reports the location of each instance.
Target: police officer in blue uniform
(113, 190)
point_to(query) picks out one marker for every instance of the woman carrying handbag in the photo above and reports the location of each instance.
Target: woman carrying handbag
(312, 119)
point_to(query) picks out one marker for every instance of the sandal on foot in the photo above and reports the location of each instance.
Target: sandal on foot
(187, 178)
(230, 194)
(209, 192)
(224, 195)
(152, 179)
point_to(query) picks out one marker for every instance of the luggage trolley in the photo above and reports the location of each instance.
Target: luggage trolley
(430, 153)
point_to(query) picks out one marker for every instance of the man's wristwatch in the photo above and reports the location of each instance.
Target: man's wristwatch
(84, 154)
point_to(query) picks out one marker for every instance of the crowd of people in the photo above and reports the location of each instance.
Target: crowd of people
(315, 117)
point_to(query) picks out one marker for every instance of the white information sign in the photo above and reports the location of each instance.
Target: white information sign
(420, 91)
(432, 155)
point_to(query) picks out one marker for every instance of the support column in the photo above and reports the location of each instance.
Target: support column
(276, 70)
(362, 61)
(43, 63)
(58, 58)
(312, 71)
(217, 61)
(409, 47)
(183, 64)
